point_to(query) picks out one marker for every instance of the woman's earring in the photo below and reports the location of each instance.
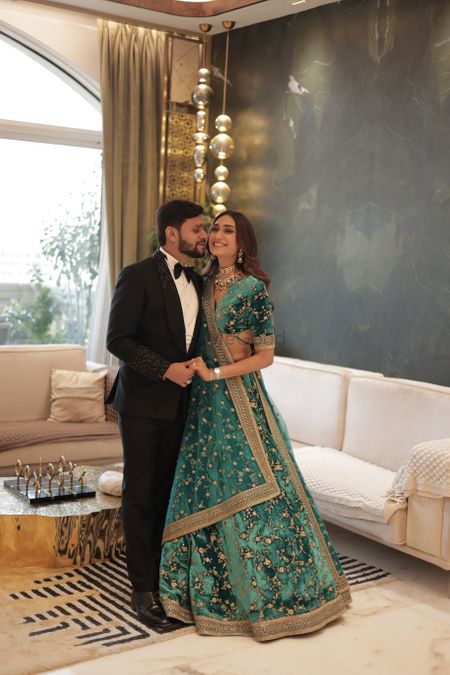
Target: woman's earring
(212, 256)
(240, 257)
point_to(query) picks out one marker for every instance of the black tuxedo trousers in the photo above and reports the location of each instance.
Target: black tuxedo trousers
(151, 449)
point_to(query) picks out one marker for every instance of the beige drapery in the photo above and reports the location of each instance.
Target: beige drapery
(132, 89)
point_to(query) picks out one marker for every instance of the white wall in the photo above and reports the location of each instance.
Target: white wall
(71, 34)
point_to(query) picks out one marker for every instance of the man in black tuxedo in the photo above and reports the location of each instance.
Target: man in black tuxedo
(153, 325)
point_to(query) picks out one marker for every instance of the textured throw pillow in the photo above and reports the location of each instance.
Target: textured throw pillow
(77, 396)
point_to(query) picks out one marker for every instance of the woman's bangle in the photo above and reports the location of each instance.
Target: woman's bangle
(217, 373)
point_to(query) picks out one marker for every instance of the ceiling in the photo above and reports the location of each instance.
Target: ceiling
(195, 9)
(186, 16)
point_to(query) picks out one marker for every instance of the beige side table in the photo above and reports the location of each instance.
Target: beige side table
(66, 533)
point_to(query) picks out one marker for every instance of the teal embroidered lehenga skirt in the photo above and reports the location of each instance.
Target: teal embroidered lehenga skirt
(245, 551)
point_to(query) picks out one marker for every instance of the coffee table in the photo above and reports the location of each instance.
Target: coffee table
(75, 532)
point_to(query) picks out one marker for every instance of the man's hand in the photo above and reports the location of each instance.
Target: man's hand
(202, 370)
(180, 373)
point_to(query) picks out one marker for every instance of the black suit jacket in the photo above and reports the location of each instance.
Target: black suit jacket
(146, 332)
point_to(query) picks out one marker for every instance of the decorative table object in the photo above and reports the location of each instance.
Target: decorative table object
(55, 486)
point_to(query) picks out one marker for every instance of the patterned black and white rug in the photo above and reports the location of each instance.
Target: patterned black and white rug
(95, 599)
(361, 575)
(63, 616)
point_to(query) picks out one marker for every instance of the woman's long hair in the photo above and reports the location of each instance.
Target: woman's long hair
(246, 241)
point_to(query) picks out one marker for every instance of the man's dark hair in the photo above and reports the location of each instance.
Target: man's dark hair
(173, 214)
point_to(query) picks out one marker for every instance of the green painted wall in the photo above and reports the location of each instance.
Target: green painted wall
(341, 119)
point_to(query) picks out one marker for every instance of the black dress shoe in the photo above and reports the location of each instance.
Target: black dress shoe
(149, 610)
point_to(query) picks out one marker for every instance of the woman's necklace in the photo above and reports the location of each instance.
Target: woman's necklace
(225, 277)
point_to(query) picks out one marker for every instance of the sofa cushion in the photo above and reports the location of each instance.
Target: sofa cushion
(17, 434)
(311, 400)
(350, 487)
(386, 418)
(391, 533)
(77, 396)
(354, 372)
(99, 450)
(25, 380)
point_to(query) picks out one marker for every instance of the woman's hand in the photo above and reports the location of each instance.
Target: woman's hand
(202, 370)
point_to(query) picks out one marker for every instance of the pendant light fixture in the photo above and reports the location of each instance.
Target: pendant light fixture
(222, 145)
(201, 97)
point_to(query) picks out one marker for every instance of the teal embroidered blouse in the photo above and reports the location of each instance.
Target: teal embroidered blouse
(246, 306)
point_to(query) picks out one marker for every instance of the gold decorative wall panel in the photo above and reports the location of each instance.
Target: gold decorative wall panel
(179, 182)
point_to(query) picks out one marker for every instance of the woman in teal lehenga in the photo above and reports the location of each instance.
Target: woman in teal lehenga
(244, 549)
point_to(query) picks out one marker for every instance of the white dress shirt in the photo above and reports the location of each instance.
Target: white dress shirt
(188, 297)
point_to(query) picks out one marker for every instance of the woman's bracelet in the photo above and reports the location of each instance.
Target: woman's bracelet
(214, 374)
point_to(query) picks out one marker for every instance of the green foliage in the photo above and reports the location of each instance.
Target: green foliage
(71, 244)
(32, 322)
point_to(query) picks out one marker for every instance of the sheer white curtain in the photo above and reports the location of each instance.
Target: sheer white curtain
(96, 348)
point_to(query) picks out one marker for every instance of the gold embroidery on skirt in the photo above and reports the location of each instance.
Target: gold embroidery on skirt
(341, 581)
(261, 630)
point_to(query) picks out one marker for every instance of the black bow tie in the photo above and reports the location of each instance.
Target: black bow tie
(188, 271)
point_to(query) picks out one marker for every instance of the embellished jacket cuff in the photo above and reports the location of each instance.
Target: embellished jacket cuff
(148, 363)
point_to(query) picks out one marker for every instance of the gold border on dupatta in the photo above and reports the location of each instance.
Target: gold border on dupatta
(341, 581)
(255, 495)
(261, 630)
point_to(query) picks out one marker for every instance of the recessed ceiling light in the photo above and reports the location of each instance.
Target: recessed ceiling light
(197, 1)
(298, 2)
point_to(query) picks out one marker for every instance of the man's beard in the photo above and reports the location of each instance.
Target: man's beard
(189, 250)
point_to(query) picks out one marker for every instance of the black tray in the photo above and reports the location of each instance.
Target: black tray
(48, 495)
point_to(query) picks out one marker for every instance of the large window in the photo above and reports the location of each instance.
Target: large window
(50, 173)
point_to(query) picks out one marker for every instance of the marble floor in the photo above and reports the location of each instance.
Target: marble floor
(398, 627)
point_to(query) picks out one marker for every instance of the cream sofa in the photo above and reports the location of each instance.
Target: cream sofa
(374, 451)
(25, 406)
